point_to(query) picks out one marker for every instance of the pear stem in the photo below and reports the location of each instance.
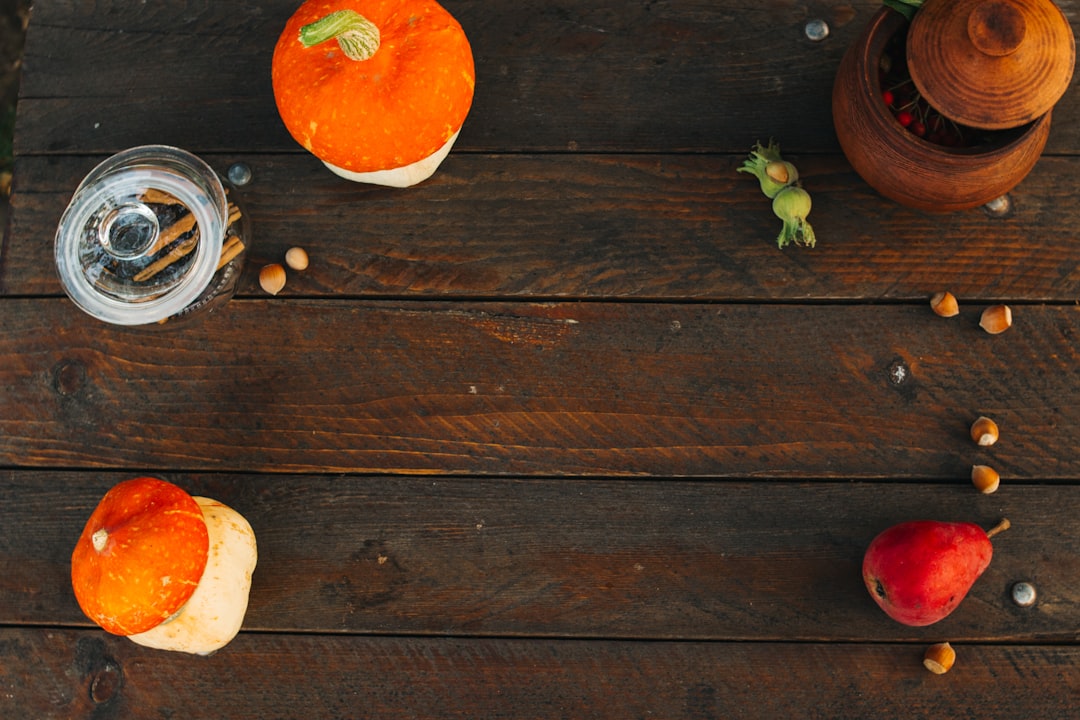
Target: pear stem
(1000, 527)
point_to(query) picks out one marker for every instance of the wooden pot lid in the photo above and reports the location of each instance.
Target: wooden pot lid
(991, 64)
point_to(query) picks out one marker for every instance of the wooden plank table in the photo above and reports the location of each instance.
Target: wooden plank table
(559, 433)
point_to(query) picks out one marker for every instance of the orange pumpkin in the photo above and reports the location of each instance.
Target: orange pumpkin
(376, 89)
(140, 556)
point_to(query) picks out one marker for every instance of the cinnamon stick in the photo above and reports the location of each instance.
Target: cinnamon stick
(181, 250)
(233, 247)
(153, 195)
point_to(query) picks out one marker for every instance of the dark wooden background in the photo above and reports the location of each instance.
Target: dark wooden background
(559, 433)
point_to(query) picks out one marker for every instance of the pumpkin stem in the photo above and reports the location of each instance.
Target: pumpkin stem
(357, 36)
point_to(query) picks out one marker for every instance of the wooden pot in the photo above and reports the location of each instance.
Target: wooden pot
(914, 171)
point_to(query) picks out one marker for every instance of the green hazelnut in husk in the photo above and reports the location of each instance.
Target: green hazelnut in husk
(779, 181)
(792, 205)
(772, 171)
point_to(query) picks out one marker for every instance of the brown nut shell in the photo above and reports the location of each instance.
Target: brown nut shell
(996, 319)
(296, 258)
(939, 658)
(985, 478)
(944, 304)
(272, 278)
(984, 431)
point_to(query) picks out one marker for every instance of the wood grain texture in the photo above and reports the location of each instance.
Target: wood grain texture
(83, 675)
(571, 75)
(550, 75)
(543, 389)
(613, 226)
(647, 560)
(559, 433)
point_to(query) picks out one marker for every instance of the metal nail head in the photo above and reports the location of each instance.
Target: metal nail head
(239, 174)
(1023, 594)
(999, 206)
(817, 30)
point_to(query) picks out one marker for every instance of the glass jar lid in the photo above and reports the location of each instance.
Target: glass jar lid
(142, 235)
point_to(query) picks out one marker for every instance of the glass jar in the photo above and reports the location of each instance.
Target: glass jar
(152, 235)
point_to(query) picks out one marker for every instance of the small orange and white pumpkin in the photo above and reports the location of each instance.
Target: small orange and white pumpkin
(163, 568)
(376, 89)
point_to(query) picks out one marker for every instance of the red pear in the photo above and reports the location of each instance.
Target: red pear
(919, 571)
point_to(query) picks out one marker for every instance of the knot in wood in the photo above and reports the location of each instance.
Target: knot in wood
(106, 683)
(69, 377)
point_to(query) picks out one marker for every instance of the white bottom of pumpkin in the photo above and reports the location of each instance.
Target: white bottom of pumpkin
(400, 177)
(212, 616)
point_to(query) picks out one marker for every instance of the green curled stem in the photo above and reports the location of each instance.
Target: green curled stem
(357, 36)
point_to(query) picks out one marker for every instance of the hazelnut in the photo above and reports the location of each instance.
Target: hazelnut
(272, 278)
(778, 171)
(939, 658)
(985, 478)
(996, 319)
(297, 258)
(984, 431)
(944, 304)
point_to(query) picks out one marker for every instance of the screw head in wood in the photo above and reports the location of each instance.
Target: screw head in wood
(1023, 594)
(999, 206)
(817, 30)
(239, 174)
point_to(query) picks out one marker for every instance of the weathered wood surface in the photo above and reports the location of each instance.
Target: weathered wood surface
(570, 75)
(606, 226)
(60, 675)
(558, 433)
(550, 76)
(797, 391)
(652, 560)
